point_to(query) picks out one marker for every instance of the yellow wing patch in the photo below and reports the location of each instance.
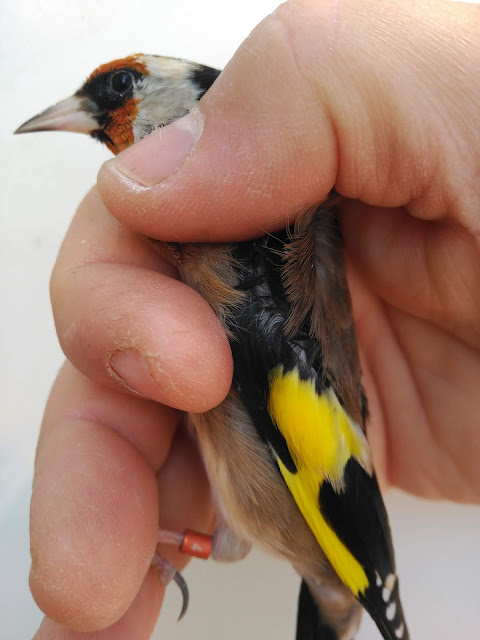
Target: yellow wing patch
(305, 493)
(321, 439)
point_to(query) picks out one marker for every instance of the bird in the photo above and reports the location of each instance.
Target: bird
(286, 452)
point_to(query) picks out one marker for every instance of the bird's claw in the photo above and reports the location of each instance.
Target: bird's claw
(189, 542)
(182, 585)
(167, 573)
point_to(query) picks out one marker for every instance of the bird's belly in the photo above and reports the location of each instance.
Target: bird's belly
(250, 494)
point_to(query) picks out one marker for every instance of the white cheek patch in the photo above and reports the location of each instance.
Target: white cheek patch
(165, 95)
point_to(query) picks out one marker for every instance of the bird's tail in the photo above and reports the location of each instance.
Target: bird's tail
(325, 613)
(385, 607)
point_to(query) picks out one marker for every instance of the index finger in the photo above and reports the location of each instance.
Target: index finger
(125, 322)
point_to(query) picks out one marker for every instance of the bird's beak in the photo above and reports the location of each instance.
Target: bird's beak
(67, 115)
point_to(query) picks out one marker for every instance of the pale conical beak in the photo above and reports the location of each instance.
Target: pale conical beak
(67, 115)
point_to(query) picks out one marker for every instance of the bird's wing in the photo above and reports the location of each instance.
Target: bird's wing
(290, 379)
(321, 440)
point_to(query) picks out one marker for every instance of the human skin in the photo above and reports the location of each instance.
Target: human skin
(376, 99)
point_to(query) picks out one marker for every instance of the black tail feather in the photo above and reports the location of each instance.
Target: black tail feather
(310, 625)
(385, 608)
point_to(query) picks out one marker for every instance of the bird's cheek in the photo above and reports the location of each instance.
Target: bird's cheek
(120, 129)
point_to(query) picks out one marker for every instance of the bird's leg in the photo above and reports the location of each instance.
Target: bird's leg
(223, 546)
(167, 573)
(189, 542)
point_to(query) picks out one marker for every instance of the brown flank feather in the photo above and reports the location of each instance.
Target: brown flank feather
(210, 270)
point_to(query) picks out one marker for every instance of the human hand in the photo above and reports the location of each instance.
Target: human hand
(377, 100)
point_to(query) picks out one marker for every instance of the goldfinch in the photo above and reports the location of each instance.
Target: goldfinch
(286, 453)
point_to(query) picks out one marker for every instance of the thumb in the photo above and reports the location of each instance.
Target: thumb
(372, 97)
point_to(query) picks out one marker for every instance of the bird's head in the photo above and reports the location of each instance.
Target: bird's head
(124, 100)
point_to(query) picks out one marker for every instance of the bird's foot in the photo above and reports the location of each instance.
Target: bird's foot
(223, 545)
(189, 542)
(167, 573)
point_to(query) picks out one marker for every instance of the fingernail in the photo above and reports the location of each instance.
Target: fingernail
(130, 368)
(160, 154)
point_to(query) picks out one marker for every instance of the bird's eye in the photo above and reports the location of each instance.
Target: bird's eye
(121, 82)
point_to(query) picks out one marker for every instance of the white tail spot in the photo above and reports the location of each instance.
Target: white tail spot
(399, 631)
(390, 581)
(391, 611)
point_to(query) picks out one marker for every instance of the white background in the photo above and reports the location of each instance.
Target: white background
(47, 48)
